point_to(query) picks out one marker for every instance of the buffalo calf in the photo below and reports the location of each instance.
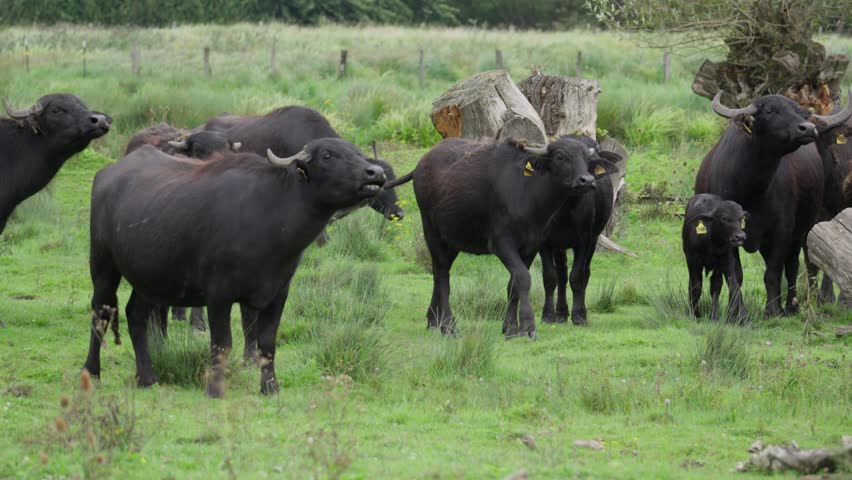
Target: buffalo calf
(576, 225)
(712, 232)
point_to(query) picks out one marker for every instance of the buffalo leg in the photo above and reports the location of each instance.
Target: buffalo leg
(519, 319)
(560, 260)
(548, 277)
(695, 285)
(715, 291)
(249, 318)
(736, 307)
(791, 272)
(268, 321)
(220, 346)
(179, 314)
(774, 260)
(439, 314)
(105, 278)
(196, 319)
(580, 275)
(138, 311)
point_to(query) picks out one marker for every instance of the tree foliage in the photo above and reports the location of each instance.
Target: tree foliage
(520, 13)
(770, 43)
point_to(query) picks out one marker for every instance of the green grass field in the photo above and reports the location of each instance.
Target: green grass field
(367, 392)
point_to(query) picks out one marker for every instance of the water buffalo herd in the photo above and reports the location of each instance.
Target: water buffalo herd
(222, 213)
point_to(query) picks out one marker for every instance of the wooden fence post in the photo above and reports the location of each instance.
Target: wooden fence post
(421, 70)
(341, 70)
(498, 56)
(207, 70)
(27, 53)
(84, 59)
(579, 68)
(667, 66)
(134, 60)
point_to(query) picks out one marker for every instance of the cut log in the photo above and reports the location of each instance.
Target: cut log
(830, 249)
(618, 179)
(566, 105)
(487, 107)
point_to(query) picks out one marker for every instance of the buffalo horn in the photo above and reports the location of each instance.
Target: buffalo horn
(839, 117)
(179, 144)
(536, 150)
(731, 112)
(283, 162)
(22, 113)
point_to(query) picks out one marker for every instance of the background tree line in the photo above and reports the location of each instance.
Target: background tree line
(545, 14)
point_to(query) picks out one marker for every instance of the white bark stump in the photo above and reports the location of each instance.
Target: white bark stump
(830, 248)
(487, 107)
(566, 105)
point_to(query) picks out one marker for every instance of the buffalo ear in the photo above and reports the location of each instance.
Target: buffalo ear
(600, 168)
(611, 156)
(701, 224)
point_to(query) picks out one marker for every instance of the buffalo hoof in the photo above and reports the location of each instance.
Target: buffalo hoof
(93, 372)
(514, 333)
(270, 387)
(146, 381)
(791, 310)
(215, 390)
(579, 320)
(250, 357)
(557, 317)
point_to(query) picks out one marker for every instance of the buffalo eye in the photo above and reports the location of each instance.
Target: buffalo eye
(58, 110)
(559, 156)
(326, 155)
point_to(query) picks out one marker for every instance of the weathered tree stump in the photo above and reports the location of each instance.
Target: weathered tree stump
(619, 183)
(487, 107)
(566, 105)
(830, 248)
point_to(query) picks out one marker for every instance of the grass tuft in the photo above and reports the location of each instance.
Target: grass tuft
(181, 358)
(472, 353)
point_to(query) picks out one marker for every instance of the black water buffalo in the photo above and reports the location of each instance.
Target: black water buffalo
(176, 141)
(835, 150)
(38, 140)
(189, 233)
(576, 225)
(200, 145)
(285, 131)
(766, 162)
(712, 232)
(496, 199)
(223, 122)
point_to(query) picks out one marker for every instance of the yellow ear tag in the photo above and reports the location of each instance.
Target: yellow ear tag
(841, 139)
(746, 128)
(742, 223)
(599, 170)
(302, 173)
(528, 170)
(701, 229)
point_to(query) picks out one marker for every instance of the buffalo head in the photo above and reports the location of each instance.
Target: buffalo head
(203, 144)
(337, 169)
(725, 222)
(62, 118)
(572, 163)
(778, 122)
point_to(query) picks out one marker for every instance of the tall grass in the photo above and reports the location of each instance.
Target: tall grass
(181, 358)
(472, 353)
(723, 349)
